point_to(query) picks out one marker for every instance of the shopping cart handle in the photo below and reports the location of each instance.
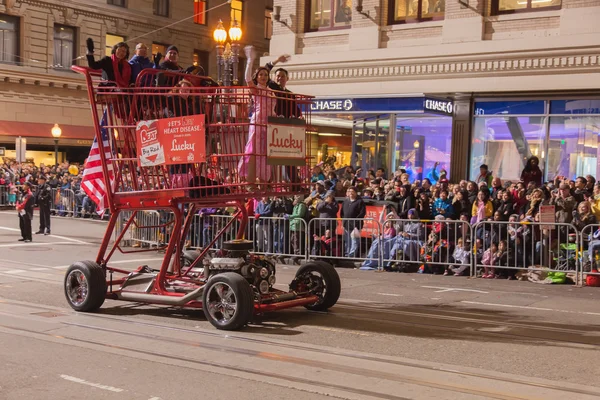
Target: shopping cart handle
(86, 70)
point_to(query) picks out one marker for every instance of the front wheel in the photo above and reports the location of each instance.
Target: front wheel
(321, 279)
(228, 301)
(85, 286)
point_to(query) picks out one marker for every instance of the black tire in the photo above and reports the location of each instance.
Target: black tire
(238, 245)
(216, 311)
(325, 283)
(85, 286)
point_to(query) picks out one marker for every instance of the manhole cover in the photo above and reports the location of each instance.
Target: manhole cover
(30, 248)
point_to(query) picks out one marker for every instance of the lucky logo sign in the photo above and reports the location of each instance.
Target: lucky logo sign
(179, 140)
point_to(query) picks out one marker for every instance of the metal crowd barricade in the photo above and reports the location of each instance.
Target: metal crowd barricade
(214, 224)
(146, 230)
(62, 202)
(349, 238)
(432, 246)
(4, 196)
(504, 248)
(589, 240)
(278, 236)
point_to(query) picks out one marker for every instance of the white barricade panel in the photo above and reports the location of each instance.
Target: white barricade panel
(349, 238)
(526, 250)
(427, 246)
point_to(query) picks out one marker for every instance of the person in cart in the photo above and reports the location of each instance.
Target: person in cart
(253, 166)
(115, 69)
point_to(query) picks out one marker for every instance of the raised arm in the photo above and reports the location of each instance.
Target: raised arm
(250, 57)
(281, 59)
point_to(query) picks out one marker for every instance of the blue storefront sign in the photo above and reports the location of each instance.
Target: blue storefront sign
(361, 105)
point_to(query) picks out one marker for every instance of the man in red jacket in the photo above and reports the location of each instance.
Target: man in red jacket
(25, 210)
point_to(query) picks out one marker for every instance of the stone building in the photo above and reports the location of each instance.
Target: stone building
(459, 82)
(40, 40)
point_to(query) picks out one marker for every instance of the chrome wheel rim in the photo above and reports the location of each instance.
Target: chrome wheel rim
(77, 287)
(222, 303)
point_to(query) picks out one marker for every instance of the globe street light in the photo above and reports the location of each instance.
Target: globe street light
(56, 132)
(227, 53)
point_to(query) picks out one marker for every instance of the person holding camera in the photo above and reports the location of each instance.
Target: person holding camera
(564, 204)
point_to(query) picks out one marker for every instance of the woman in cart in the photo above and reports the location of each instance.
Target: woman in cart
(115, 69)
(250, 168)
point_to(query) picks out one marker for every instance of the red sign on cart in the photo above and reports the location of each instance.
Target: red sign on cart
(179, 140)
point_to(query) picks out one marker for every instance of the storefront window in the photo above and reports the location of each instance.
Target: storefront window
(511, 6)
(563, 134)
(505, 143)
(326, 14)
(573, 147)
(416, 10)
(420, 143)
(574, 138)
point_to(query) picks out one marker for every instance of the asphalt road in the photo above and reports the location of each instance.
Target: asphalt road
(391, 336)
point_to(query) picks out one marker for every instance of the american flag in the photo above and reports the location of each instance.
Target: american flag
(93, 182)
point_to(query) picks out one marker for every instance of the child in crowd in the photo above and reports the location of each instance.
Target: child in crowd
(489, 259)
(461, 256)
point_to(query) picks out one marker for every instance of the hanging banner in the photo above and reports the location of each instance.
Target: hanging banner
(179, 140)
(286, 141)
(370, 224)
(548, 216)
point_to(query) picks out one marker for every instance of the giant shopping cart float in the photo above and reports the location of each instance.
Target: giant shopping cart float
(174, 151)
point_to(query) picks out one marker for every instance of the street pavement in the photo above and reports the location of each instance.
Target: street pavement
(391, 336)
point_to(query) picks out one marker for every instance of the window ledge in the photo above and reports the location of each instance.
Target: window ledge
(416, 25)
(329, 32)
(524, 15)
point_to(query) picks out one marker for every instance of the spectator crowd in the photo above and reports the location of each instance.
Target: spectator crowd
(68, 199)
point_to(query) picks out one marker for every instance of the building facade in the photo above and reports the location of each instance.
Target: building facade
(455, 82)
(40, 40)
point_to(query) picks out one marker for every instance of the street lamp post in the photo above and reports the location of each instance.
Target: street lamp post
(227, 53)
(56, 132)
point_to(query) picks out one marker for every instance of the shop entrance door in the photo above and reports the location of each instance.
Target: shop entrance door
(371, 143)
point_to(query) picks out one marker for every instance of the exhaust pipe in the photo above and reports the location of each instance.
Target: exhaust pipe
(160, 299)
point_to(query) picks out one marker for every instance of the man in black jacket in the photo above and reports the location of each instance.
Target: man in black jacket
(43, 198)
(285, 106)
(171, 62)
(354, 208)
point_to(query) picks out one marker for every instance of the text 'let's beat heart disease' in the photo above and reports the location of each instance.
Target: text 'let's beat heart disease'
(178, 140)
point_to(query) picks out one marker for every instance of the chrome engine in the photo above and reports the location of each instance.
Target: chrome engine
(259, 272)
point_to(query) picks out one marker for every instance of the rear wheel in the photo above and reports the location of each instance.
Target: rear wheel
(85, 286)
(321, 279)
(228, 301)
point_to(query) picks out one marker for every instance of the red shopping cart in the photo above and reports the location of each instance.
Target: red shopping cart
(174, 143)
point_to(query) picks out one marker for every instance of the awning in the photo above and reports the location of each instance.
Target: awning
(37, 130)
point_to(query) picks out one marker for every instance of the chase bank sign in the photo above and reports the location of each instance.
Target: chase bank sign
(332, 105)
(445, 107)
